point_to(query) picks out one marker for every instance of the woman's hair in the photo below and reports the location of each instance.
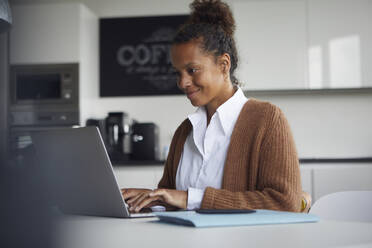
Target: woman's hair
(211, 22)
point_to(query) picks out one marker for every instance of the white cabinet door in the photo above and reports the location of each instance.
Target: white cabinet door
(149, 176)
(317, 179)
(158, 170)
(138, 176)
(306, 179)
(333, 178)
(135, 177)
(340, 38)
(272, 42)
(45, 33)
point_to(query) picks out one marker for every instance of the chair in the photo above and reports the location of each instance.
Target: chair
(346, 206)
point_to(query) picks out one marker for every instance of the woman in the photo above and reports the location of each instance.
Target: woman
(233, 152)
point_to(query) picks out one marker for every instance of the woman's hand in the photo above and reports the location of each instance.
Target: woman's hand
(140, 198)
(133, 193)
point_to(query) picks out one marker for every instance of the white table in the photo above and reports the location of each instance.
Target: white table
(83, 231)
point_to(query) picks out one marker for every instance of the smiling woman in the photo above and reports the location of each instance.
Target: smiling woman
(204, 80)
(233, 152)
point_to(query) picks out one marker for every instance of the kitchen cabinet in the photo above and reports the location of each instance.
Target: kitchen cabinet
(282, 45)
(45, 33)
(149, 176)
(307, 179)
(339, 43)
(305, 44)
(271, 41)
(57, 33)
(138, 176)
(318, 179)
(333, 178)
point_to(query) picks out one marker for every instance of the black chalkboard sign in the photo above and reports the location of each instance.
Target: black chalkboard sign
(135, 56)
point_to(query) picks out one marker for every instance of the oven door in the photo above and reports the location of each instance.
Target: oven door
(38, 87)
(44, 84)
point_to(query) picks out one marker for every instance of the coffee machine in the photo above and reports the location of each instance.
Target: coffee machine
(116, 131)
(126, 139)
(145, 141)
(118, 136)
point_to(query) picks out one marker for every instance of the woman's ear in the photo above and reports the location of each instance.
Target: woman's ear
(225, 64)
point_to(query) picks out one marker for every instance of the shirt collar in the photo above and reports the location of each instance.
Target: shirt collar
(197, 116)
(229, 111)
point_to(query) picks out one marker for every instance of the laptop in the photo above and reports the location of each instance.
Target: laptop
(80, 172)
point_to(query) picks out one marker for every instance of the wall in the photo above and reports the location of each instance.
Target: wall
(324, 124)
(88, 63)
(144, 109)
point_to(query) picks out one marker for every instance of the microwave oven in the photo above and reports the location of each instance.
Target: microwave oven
(44, 95)
(44, 84)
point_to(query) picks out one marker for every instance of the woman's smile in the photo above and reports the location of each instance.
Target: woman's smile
(200, 76)
(192, 93)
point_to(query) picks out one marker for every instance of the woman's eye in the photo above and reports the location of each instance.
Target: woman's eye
(192, 70)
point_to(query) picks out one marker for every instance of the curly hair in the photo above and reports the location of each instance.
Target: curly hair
(212, 22)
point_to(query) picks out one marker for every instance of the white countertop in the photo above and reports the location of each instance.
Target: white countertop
(84, 231)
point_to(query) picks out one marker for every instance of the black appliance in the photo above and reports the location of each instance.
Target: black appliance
(41, 96)
(101, 125)
(145, 141)
(40, 84)
(44, 94)
(118, 136)
(126, 140)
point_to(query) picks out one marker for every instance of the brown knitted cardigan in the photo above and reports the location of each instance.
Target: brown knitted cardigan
(261, 169)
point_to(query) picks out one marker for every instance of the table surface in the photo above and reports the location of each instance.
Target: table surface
(85, 231)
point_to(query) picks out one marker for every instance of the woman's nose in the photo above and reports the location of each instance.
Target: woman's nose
(184, 82)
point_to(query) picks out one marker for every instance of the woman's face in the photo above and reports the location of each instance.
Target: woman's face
(201, 78)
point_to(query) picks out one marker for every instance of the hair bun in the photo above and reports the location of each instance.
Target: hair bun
(212, 12)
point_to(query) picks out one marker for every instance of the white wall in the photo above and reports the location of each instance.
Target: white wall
(166, 111)
(324, 125)
(88, 61)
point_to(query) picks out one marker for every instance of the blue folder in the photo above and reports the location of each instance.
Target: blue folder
(260, 217)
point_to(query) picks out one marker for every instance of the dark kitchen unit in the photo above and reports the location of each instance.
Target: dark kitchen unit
(41, 97)
(127, 141)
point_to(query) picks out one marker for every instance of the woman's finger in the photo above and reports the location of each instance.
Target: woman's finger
(156, 203)
(137, 201)
(134, 198)
(130, 193)
(146, 203)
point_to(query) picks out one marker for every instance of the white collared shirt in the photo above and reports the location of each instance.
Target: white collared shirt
(204, 153)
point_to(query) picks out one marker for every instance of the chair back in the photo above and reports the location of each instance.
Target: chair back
(346, 206)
